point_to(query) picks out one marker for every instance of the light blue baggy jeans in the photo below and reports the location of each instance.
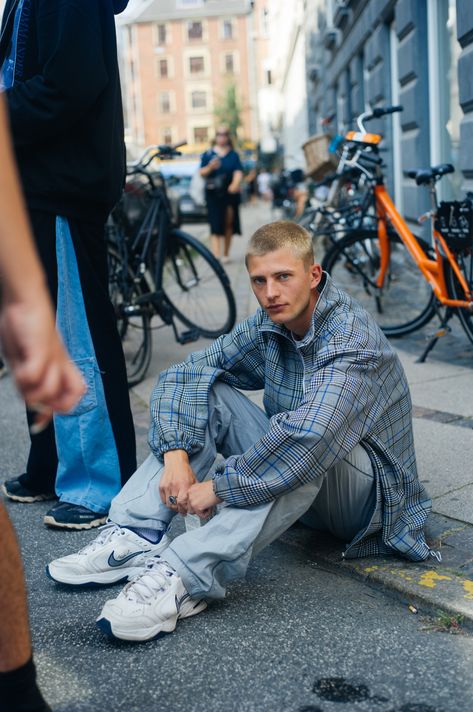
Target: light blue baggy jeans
(208, 557)
(88, 471)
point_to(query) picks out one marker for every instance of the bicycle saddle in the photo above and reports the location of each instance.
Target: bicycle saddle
(426, 175)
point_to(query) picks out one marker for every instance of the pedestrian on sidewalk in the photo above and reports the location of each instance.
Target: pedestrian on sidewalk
(48, 380)
(334, 445)
(222, 170)
(60, 74)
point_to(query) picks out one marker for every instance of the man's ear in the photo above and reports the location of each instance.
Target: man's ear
(316, 275)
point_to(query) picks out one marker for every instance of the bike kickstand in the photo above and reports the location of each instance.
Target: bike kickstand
(443, 330)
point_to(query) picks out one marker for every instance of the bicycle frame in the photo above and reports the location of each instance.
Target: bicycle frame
(432, 269)
(158, 215)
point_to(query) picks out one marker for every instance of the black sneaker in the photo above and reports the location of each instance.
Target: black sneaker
(19, 493)
(73, 516)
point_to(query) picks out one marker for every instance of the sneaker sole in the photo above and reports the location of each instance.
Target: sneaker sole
(112, 630)
(106, 627)
(98, 581)
(28, 499)
(51, 522)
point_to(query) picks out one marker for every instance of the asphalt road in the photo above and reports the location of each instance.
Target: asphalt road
(293, 637)
(274, 645)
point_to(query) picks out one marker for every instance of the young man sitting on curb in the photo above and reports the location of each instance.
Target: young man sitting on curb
(334, 442)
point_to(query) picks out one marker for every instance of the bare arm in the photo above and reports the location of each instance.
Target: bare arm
(210, 167)
(234, 186)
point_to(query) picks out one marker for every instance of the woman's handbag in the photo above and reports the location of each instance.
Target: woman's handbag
(218, 183)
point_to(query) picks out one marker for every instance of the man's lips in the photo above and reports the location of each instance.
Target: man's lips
(275, 307)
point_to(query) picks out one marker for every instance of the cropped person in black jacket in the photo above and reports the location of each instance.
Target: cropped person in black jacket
(60, 74)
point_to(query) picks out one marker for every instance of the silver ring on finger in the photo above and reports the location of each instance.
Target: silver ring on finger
(172, 499)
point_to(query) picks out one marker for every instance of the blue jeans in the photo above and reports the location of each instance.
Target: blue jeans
(88, 472)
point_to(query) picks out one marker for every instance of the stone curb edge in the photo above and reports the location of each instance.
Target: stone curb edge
(428, 589)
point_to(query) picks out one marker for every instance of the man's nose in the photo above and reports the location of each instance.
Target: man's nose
(271, 289)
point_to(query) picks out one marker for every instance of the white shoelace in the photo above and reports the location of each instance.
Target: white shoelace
(107, 531)
(155, 577)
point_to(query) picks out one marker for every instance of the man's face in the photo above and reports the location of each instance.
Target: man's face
(285, 287)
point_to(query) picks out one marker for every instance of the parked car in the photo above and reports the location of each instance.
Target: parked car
(178, 175)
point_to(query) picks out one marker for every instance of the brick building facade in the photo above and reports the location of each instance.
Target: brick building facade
(178, 58)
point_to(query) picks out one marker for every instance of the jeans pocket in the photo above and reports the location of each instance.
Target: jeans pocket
(88, 369)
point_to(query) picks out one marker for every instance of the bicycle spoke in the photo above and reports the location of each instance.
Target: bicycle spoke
(403, 304)
(133, 323)
(197, 287)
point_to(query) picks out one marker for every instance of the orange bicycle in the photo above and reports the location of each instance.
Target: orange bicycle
(380, 267)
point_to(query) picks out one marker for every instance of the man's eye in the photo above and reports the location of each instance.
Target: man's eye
(284, 277)
(258, 281)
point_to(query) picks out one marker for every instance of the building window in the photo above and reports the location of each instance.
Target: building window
(195, 30)
(229, 64)
(227, 29)
(199, 99)
(196, 65)
(161, 34)
(165, 102)
(269, 78)
(163, 68)
(201, 134)
(167, 135)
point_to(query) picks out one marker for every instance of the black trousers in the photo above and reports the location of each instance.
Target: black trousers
(90, 249)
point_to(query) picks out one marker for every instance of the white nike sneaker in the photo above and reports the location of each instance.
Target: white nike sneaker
(116, 554)
(150, 605)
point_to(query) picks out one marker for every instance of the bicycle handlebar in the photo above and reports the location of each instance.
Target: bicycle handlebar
(382, 111)
(376, 113)
(167, 150)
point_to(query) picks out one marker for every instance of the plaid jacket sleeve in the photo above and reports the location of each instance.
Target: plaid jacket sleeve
(338, 409)
(179, 402)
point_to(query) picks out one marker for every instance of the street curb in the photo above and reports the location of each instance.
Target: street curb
(425, 587)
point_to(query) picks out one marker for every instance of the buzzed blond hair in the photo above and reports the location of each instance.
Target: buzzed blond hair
(278, 235)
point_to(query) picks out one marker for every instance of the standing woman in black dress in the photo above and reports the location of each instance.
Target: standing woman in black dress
(223, 172)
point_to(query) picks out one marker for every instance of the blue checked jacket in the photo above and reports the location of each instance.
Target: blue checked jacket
(339, 386)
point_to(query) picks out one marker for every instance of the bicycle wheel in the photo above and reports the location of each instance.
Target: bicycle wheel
(465, 263)
(197, 287)
(404, 304)
(133, 318)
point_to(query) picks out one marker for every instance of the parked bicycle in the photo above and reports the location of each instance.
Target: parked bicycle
(344, 199)
(156, 269)
(401, 279)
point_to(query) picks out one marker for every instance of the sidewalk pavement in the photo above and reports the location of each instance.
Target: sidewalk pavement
(442, 394)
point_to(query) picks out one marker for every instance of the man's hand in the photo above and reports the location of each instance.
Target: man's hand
(44, 375)
(177, 478)
(201, 499)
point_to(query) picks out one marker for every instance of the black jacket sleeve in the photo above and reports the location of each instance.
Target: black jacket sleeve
(71, 75)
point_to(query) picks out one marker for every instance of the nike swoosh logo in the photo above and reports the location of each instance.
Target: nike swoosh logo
(113, 562)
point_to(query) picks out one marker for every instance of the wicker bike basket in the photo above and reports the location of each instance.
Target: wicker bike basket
(319, 161)
(455, 223)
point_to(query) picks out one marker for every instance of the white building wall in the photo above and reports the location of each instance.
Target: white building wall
(295, 123)
(287, 55)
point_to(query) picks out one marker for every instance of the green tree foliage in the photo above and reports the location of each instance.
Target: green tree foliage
(228, 108)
